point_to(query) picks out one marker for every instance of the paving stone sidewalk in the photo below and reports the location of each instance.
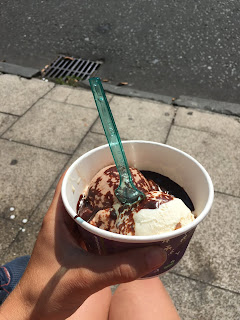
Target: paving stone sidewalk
(45, 127)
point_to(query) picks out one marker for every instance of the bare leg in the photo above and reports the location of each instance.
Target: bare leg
(142, 299)
(95, 307)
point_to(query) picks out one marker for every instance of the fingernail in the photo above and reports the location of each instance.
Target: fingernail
(155, 257)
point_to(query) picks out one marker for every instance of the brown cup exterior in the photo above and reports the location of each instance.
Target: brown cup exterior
(174, 247)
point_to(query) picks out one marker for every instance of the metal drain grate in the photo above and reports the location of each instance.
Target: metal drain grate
(68, 67)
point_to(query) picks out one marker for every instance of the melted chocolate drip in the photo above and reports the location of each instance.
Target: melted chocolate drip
(170, 187)
(113, 214)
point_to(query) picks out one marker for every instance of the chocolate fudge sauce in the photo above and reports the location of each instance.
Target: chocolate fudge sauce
(169, 186)
(86, 211)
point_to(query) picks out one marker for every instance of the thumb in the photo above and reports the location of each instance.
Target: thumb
(127, 266)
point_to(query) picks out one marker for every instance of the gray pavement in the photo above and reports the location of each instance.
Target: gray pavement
(44, 127)
(174, 48)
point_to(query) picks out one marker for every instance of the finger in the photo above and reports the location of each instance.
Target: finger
(58, 190)
(127, 266)
(56, 206)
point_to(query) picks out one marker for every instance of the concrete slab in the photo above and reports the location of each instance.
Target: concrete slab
(196, 300)
(9, 230)
(6, 120)
(91, 141)
(26, 174)
(38, 215)
(76, 96)
(24, 242)
(140, 119)
(217, 153)
(208, 121)
(18, 94)
(53, 125)
(213, 254)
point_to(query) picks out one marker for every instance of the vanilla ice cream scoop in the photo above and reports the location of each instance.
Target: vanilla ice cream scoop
(169, 216)
(158, 213)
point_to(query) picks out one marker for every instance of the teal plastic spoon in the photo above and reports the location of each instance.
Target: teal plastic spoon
(126, 191)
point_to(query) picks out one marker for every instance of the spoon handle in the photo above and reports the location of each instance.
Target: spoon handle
(109, 127)
(115, 144)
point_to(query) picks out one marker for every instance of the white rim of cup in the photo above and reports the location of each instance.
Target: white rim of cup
(136, 239)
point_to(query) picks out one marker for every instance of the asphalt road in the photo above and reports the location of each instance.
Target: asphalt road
(162, 46)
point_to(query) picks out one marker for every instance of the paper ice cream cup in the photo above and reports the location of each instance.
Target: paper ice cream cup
(143, 155)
